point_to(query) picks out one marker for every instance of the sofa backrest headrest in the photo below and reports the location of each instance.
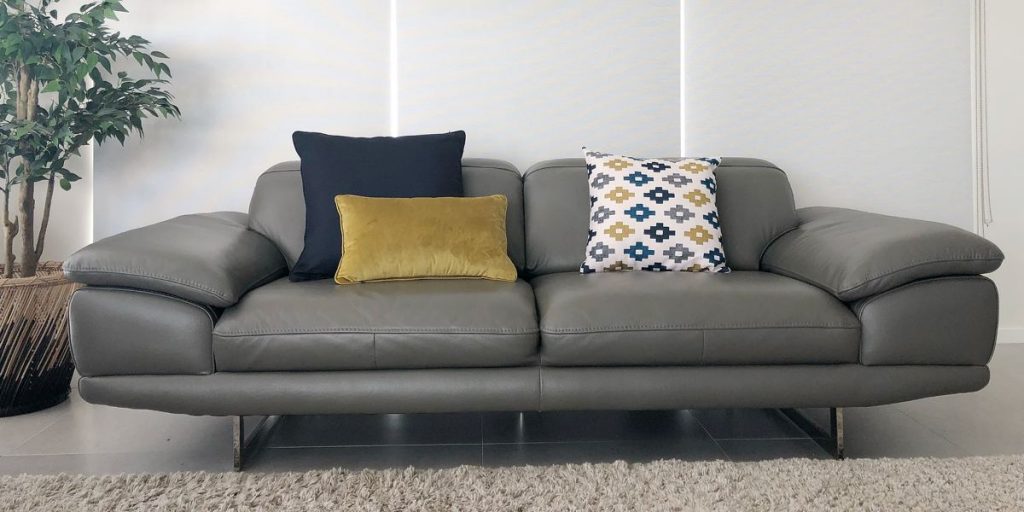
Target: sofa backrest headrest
(278, 211)
(755, 205)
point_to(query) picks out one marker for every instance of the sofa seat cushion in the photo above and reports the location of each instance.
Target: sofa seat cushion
(318, 325)
(682, 318)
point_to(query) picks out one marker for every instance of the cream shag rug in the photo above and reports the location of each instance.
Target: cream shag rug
(982, 483)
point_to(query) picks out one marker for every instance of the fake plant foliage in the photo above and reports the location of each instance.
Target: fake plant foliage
(59, 92)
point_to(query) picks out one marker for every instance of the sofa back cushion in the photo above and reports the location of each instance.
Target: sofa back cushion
(755, 206)
(278, 211)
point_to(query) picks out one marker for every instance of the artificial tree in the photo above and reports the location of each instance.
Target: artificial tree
(59, 92)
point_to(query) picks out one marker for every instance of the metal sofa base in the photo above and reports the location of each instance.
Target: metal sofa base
(245, 444)
(833, 442)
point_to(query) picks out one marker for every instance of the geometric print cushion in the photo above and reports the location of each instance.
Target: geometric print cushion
(653, 214)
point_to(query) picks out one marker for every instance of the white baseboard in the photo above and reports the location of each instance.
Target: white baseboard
(1010, 335)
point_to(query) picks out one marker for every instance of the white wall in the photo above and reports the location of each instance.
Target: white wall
(866, 104)
(524, 86)
(531, 80)
(528, 80)
(247, 73)
(71, 213)
(1006, 158)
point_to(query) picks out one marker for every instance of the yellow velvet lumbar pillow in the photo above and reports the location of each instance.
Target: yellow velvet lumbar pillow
(387, 239)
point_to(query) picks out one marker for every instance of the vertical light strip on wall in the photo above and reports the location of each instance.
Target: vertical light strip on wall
(682, 78)
(89, 158)
(393, 67)
(979, 114)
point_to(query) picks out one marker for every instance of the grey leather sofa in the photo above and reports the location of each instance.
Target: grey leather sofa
(825, 307)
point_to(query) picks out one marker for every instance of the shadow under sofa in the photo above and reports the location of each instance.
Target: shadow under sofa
(824, 307)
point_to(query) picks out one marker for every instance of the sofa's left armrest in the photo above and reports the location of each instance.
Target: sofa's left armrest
(211, 259)
(855, 254)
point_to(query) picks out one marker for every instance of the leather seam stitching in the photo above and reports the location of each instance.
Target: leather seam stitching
(192, 284)
(760, 259)
(375, 332)
(154, 293)
(531, 172)
(373, 340)
(628, 328)
(912, 284)
(917, 264)
(703, 344)
(134, 273)
(869, 280)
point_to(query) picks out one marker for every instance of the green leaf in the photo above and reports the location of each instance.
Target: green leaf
(91, 61)
(52, 86)
(65, 184)
(44, 74)
(159, 55)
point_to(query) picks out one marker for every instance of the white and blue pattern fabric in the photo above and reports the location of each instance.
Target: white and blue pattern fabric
(652, 214)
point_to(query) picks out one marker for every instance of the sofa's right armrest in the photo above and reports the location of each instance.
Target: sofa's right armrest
(854, 254)
(210, 259)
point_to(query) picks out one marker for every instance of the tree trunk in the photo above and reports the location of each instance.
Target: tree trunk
(11, 227)
(10, 232)
(28, 101)
(21, 111)
(45, 221)
(26, 214)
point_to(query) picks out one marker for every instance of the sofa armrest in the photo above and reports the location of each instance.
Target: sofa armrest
(211, 258)
(949, 320)
(854, 254)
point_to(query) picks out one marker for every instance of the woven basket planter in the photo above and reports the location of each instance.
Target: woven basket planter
(35, 352)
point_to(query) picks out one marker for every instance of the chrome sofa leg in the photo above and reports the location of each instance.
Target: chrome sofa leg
(832, 439)
(238, 440)
(243, 446)
(836, 429)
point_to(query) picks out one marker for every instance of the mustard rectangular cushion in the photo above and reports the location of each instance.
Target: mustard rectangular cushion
(388, 239)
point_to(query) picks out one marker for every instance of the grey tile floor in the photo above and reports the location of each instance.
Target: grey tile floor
(77, 437)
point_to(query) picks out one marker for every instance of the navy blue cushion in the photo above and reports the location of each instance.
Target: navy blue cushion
(413, 166)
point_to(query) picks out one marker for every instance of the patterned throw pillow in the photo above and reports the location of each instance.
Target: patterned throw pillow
(652, 214)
